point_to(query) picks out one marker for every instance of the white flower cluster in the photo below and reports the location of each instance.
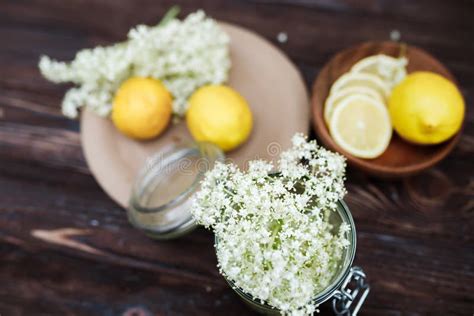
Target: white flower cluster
(274, 237)
(184, 55)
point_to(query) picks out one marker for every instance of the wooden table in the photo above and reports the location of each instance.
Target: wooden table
(66, 248)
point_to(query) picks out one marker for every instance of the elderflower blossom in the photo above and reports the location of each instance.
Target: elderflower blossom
(184, 55)
(274, 238)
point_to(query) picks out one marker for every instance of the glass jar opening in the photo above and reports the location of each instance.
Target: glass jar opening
(163, 191)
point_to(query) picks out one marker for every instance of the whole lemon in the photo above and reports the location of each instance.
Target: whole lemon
(426, 108)
(220, 115)
(141, 108)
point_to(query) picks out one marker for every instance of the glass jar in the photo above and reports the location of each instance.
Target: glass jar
(163, 190)
(348, 288)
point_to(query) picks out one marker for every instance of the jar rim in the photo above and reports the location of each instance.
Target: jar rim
(150, 182)
(166, 159)
(150, 164)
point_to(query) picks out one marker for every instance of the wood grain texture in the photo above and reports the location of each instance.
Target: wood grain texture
(67, 249)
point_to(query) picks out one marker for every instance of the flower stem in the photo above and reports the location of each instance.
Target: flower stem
(170, 15)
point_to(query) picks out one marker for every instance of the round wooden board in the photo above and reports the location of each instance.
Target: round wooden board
(260, 72)
(401, 158)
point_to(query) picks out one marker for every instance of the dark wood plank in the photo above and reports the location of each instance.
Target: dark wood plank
(67, 249)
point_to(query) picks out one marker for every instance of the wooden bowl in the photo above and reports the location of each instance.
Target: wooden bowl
(401, 158)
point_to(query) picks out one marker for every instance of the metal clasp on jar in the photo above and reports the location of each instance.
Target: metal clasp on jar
(350, 297)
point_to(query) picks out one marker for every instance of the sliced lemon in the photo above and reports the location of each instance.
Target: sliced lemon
(334, 99)
(392, 70)
(354, 79)
(361, 126)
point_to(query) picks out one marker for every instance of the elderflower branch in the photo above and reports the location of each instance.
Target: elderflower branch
(184, 55)
(275, 237)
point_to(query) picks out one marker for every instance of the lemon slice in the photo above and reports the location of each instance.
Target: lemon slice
(361, 126)
(353, 79)
(392, 70)
(334, 99)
